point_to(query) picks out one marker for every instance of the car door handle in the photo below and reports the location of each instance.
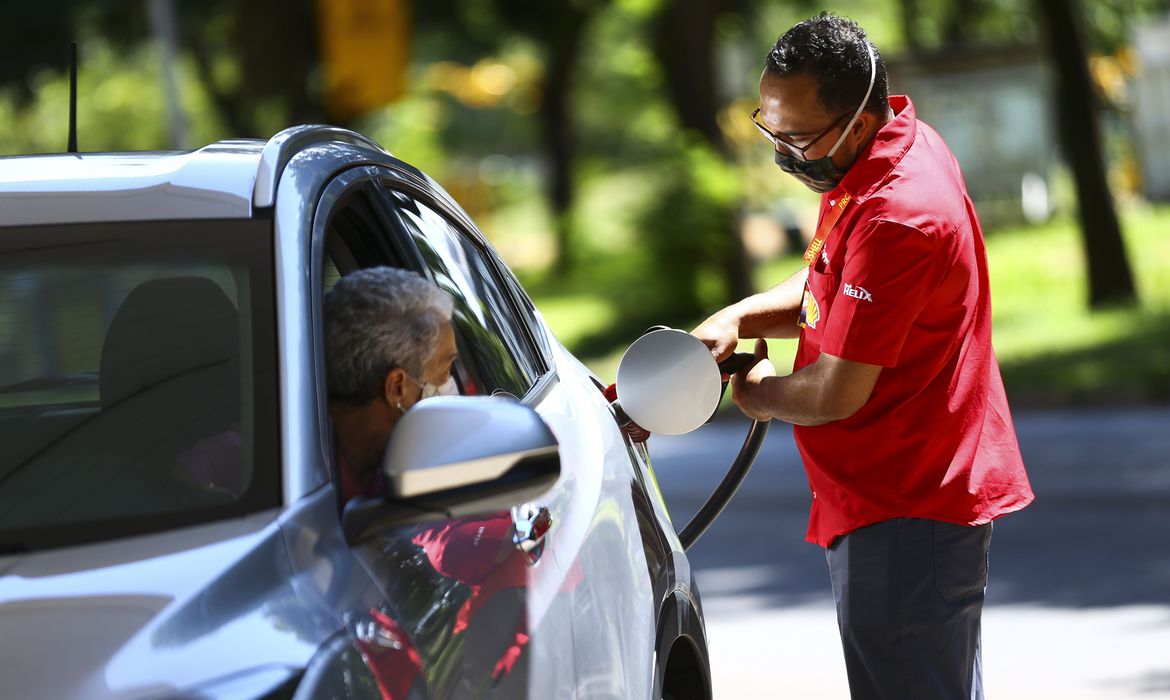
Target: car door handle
(531, 524)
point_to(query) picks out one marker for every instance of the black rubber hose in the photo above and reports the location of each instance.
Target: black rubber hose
(727, 488)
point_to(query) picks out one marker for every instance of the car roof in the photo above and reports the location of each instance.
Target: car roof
(212, 182)
(228, 179)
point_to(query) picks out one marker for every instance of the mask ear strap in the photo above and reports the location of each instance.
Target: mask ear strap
(864, 100)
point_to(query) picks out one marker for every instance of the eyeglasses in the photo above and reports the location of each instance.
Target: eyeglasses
(793, 148)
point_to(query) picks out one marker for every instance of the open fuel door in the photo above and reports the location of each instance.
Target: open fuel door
(668, 383)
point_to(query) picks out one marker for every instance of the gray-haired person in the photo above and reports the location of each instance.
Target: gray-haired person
(388, 344)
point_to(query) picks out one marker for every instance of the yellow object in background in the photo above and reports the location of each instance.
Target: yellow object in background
(364, 52)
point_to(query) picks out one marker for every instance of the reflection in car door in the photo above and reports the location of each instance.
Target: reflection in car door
(521, 593)
(440, 630)
(462, 602)
(595, 544)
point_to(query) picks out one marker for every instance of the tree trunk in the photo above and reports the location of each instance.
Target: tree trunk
(557, 127)
(1110, 278)
(910, 11)
(685, 48)
(276, 62)
(960, 20)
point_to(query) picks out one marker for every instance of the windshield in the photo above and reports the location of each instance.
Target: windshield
(137, 372)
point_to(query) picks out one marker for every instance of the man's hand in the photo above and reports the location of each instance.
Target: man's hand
(720, 333)
(747, 388)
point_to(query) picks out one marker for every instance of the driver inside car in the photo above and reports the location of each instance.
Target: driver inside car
(389, 344)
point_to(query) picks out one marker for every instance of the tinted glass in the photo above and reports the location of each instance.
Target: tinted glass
(136, 378)
(499, 354)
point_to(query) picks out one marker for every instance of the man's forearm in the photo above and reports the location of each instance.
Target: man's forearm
(827, 390)
(795, 399)
(773, 313)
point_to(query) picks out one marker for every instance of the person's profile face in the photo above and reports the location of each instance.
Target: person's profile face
(437, 368)
(403, 390)
(796, 122)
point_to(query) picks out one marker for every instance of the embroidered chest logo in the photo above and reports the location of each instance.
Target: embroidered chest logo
(860, 293)
(810, 312)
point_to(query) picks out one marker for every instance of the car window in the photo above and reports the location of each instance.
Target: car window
(497, 349)
(136, 378)
(331, 275)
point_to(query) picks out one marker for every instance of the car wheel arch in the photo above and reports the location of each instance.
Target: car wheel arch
(682, 666)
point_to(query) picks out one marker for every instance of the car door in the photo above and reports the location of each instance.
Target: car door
(528, 589)
(599, 508)
(456, 591)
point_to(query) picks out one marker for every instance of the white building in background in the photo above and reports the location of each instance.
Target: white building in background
(993, 108)
(1151, 103)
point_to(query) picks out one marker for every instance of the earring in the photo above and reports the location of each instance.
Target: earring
(398, 405)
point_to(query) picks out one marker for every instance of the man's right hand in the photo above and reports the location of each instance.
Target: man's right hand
(720, 333)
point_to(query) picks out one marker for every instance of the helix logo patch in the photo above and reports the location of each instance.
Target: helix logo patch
(860, 293)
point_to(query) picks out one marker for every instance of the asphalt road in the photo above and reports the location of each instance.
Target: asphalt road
(1079, 593)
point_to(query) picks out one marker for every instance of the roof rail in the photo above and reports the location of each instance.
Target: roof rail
(281, 148)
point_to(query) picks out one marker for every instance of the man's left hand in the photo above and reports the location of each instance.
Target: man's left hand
(747, 389)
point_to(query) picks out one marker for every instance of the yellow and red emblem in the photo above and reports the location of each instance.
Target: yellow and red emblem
(810, 312)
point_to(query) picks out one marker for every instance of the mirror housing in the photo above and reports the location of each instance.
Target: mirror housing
(454, 456)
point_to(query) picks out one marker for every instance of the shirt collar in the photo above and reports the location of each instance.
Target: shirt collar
(882, 153)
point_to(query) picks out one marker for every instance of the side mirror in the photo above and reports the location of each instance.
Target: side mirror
(454, 456)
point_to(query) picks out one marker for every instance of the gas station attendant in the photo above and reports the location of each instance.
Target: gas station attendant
(899, 410)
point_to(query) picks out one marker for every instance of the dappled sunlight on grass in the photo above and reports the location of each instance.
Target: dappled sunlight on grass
(1052, 347)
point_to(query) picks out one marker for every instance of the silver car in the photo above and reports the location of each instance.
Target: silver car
(169, 522)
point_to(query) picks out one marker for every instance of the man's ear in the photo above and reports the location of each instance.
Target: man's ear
(394, 388)
(863, 128)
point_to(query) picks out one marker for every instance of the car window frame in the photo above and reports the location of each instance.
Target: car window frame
(401, 251)
(523, 314)
(335, 192)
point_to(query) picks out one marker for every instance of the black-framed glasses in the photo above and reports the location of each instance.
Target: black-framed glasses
(793, 148)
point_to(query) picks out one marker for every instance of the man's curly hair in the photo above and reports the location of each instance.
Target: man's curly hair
(832, 50)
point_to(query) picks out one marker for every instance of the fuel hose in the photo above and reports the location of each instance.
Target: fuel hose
(738, 471)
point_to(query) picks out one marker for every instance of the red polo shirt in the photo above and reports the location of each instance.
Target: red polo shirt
(902, 283)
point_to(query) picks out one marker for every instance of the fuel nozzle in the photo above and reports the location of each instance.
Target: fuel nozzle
(636, 432)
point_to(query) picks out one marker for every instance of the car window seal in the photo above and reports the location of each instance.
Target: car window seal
(544, 384)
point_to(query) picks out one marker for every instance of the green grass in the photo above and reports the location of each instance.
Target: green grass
(1051, 347)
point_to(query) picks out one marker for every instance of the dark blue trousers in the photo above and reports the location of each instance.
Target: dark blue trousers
(909, 598)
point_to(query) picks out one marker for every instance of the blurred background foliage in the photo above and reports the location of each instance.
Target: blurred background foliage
(604, 145)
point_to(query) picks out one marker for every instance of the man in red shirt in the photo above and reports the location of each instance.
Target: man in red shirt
(896, 397)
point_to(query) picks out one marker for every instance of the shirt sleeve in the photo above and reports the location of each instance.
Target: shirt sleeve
(890, 272)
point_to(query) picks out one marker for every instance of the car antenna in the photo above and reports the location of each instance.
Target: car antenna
(73, 97)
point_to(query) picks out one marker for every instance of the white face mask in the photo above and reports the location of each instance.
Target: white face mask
(447, 388)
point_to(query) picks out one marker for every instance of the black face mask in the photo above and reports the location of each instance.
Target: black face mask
(820, 175)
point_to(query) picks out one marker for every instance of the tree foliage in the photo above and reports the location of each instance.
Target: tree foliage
(597, 88)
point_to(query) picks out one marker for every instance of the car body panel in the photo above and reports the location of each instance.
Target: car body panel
(443, 609)
(600, 542)
(173, 597)
(215, 182)
(282, 148)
